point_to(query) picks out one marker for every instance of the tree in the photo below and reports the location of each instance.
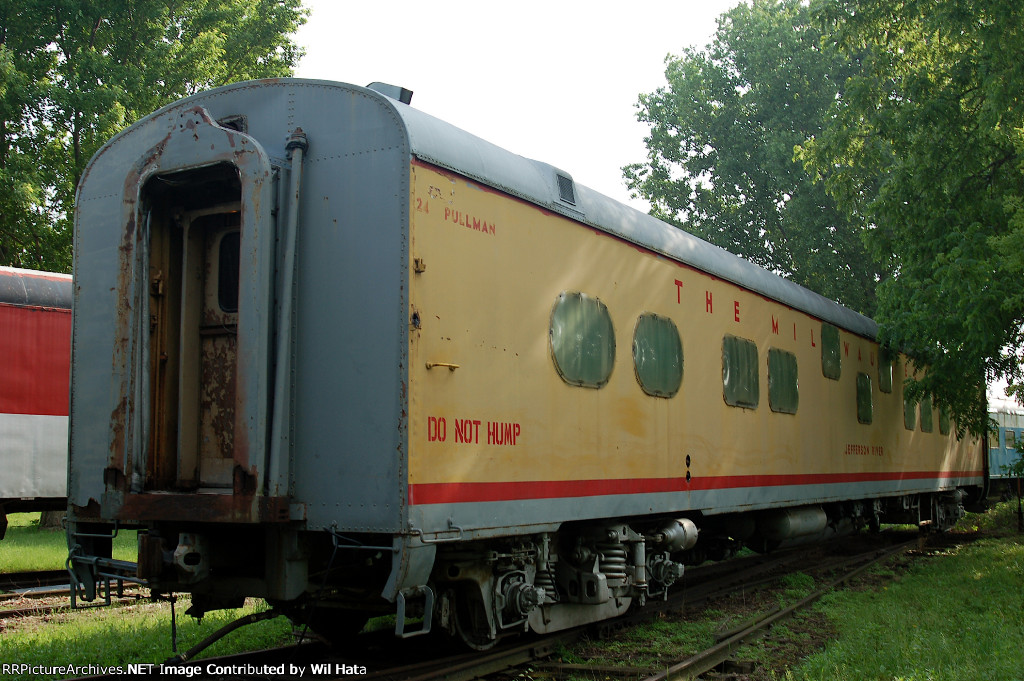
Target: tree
(926, 144)
(720, 153)
(75, 72)
(24, 64)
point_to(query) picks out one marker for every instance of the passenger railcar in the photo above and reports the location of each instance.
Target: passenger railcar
(35, 358)
(1006, 432)
(334, 352)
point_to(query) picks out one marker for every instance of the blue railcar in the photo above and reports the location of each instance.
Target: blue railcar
(1006, 434)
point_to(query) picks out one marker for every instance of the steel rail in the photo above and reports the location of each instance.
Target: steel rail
(25, 580)
(711, 584)
(40, 610)
(708, 659)
(704, 585)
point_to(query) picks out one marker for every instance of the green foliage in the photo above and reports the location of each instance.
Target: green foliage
(720, 152)
(925, 146)
(75, 72)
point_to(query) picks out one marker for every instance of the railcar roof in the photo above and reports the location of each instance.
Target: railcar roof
(35, 288)
(445, 145)
(439, 143)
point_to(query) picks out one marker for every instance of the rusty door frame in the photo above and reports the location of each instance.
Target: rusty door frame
(195, 141)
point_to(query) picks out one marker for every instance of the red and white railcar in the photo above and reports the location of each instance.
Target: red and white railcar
(35, 355)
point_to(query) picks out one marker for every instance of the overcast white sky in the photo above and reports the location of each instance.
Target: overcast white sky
(554, 81)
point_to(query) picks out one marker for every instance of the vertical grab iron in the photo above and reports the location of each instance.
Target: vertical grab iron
(278, 470)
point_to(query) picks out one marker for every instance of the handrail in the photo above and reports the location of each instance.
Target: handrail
(277, 478)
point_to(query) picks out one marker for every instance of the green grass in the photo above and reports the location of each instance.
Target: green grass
(29, 547)
(796, 586)
(651, 644)
(129, 635)
(954, 617)
(135, 634)
(660, 640)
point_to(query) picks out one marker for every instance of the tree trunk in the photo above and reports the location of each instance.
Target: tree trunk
(51, 520)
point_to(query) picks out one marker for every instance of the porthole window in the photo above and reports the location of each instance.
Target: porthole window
(865, 407)
(657, 355)
(885, 375)
(831, 362)
(783, 383)
(582, 340)
(944, 420)
(927, 422)
(909, 412)
(740, 381)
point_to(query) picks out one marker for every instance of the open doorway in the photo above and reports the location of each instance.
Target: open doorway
(194, 262)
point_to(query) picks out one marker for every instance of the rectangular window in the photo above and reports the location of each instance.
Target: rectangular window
(783, 383)
(740, 380)
(993, 439)
(1011, 440)
(831, 361)
(865, 407)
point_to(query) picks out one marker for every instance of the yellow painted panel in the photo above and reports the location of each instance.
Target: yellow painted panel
(487, 270)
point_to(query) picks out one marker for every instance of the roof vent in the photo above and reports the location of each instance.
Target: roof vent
(236, 122)
(566, 189)
(393, 91)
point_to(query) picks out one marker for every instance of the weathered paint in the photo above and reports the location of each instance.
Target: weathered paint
(423, 402)
(190, 139)
(204, 508)
(505, 427)
(413, 387)
(350, 319)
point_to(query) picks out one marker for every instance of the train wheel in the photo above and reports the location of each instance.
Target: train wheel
(471, 623)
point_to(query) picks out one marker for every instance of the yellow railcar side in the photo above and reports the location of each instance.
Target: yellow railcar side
(488, 406)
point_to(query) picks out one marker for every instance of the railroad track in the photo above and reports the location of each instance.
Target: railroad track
(704, 588)
(380, 656)
(50, 589)
(15, 581)
(730, 641)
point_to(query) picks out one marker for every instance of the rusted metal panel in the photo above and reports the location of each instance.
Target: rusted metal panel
(217, 404)
(192, 140)
(345, 436)
(204, 508)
